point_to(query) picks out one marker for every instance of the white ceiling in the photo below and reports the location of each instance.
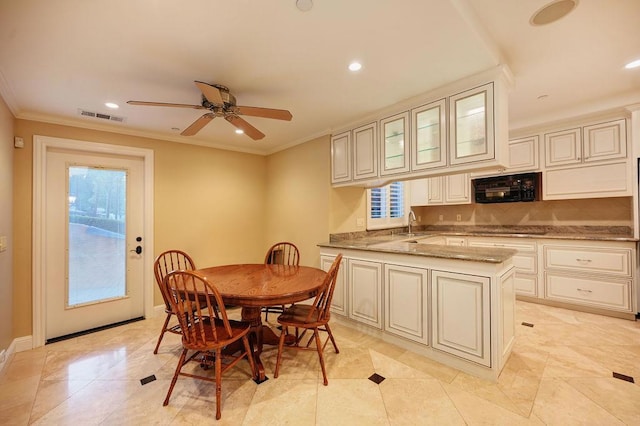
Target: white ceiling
(57, 57)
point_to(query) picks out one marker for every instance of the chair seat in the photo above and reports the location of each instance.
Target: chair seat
(207, 342)
(296, 316)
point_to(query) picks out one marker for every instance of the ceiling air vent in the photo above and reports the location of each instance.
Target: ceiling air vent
(100, 115)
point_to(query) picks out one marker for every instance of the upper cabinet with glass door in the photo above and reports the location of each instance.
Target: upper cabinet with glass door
(428, 136)
(394, 146)
(471, 131)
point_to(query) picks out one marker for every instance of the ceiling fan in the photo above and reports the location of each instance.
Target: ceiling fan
(220, 103)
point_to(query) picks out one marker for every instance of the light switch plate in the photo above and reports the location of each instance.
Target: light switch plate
(3, 243)
(18, 142)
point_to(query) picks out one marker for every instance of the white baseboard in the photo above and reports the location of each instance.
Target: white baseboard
(19, 344)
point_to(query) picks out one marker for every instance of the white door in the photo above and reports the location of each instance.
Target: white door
(93, 225)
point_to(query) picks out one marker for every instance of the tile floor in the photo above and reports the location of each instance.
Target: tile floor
(560, 372)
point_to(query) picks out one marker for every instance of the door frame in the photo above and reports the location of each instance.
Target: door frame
(41, 145)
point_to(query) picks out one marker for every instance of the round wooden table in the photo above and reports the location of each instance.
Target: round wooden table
(253, 286)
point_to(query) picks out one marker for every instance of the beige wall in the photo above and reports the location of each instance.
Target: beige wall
(6, 229)
(298, 196)
(208, 202)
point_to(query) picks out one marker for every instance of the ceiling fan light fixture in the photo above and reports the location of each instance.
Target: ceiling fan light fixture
(552, 12)
(355, 66)
(633, 64)
(304, 5)
(239, 131)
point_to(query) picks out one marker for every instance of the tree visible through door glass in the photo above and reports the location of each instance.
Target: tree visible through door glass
(96, 260)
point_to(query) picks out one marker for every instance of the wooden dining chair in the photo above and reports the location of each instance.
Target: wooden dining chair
(206, 329)
(282, 253)
(170, 260)
(311, 317)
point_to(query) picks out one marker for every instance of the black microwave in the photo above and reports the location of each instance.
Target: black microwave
(508, 188)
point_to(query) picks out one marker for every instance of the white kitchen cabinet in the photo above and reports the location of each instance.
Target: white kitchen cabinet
(406, 302)
(365, 152)
(457, 189)
(441, 190)
(588, 181)
(365, 292)
(341, 158)
(596, 142)
(471, 125)
(460, 320)
(523, 154)
(593, 274)
(428, 136)
(525, 261)
(394, 144)
(339, 301)
(598, 292)
(455, 241)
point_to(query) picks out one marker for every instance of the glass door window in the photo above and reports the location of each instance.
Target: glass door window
(429, 132)
(96, 257)
(472, 126)
(395, 144)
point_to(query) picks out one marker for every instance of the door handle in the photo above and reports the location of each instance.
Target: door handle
(138, 249)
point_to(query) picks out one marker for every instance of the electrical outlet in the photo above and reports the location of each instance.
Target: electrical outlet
(3, 243)
(360, 222)
(458, 217)
(441, 218)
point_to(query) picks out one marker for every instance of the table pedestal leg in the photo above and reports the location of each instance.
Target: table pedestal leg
(260, 334)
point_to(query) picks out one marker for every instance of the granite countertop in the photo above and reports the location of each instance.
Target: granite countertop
(404, 243)
(441, 251)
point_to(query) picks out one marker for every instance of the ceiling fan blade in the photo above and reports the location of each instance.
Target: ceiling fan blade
(163, 104)
(247, 128)
(211, 93)
(197, 125)
(278, 114)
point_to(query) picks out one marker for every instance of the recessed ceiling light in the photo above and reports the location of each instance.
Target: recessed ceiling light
(239, 131)
(633, 64)
(553, 11)
(304, 5)
(355, 66)
(111, 105)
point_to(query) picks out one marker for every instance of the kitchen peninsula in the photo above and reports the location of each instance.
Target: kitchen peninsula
(455, 305)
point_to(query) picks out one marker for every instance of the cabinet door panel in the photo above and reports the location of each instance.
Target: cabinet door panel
(394, 144)
(523, 154)
(471, 129)
(365, 291)
(406, 302)
(341, 157)
(339, 301)
(594, 260)
(602, 293)
(605, 141)
(460, 325)
(526, 285)
(564, 147)
(588, 181)
(365, 152)
(457, 189)
(436, 190)
(428, 136)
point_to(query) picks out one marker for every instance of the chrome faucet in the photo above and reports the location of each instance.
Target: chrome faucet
(412, 215)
